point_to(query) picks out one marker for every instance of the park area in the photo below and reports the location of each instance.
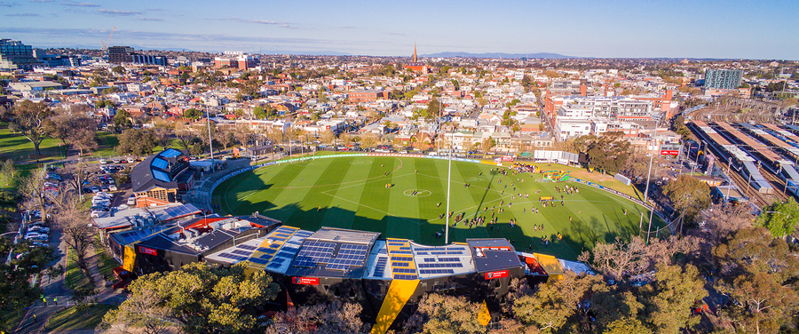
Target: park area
(405, 197)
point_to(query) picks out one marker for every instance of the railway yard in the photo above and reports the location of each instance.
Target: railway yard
(760, 159)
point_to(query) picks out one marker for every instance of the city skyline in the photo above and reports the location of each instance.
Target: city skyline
(621, 29)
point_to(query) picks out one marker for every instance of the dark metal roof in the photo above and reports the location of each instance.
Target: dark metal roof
(152, 173)
(492, 260)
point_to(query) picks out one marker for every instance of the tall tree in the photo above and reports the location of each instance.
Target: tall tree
(688, 194)
(780, 217)
(138, 142)
(72, 219)
(199, 299)
(669, 300)
(192, 114)
(608, 152)
(445, 314)
(122, 120)
(29, 118)
(334, 317)
(74, 128)
(36, 197)
(556, 302)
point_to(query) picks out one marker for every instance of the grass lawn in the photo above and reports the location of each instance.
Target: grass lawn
(20, 149)
(106, 142)
(106, 262)
(9, 320)
(74, 278)
(74, 318)
(350, 192)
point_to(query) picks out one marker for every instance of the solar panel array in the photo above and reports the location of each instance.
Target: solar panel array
(272, 252)
(181, 210)
(380, 267)
(402, 260)
(443, 260)
(331, 255)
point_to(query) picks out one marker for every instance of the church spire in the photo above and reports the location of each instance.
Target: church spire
(414, 59)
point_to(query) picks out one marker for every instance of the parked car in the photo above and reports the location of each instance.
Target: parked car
(132, 200)
(39, 229)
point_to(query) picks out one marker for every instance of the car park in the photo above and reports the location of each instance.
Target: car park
(39, 229)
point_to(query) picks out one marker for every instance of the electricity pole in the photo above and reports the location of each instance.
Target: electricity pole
(210, 138)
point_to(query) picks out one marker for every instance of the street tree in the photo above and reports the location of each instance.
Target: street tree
(369, 141)
(77, 173)
(29, 118)
(73, 221)
(34, 194)
(225, 137)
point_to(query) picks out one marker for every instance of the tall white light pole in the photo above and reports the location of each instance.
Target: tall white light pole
(449, 183)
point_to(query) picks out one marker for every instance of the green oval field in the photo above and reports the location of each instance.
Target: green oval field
(406, 197)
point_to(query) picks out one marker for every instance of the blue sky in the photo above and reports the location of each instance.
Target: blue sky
(606, 28)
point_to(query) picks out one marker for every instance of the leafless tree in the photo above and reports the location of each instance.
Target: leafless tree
(33, 192)
(74, 223)
(77, 172)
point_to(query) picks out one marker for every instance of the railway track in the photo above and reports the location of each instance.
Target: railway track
(778, 184)
(760, 200)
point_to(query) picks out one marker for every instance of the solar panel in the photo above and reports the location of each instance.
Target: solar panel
(440, 265)
(285, 254)
(401, 264)
(274, 265)
(258, 261)
(449, 259)
(231, 256)
(380, 267)
(405, 276)
(278, 260)
(160, 163)
(404, 271)
(401, 258)
(248, 247)
(161, 176)
(170, 153)
(180, 210)
(436, 271)
(429, 259)
(401, 252)
(241, 252)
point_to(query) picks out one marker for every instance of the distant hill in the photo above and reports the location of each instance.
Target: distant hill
(545, 55)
